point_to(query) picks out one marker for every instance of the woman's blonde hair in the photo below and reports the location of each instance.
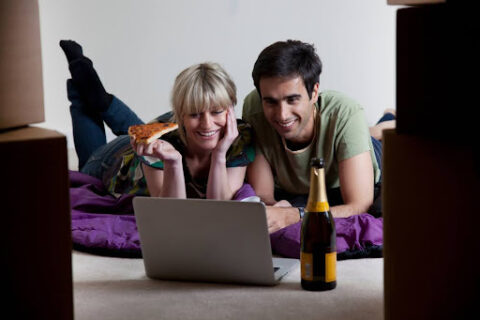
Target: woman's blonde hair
(200, 88)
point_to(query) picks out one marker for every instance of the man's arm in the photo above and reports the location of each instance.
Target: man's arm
(356, 185)
(279, 214)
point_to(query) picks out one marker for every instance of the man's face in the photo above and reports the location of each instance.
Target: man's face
(288, 108)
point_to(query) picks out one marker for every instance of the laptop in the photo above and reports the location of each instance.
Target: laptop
(207, 241)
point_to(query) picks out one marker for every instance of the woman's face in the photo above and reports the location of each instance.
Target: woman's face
(203, 130)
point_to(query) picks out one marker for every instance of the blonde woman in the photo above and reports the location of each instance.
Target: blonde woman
(206, 157)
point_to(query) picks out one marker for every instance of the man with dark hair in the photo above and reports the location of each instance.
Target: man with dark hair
(295, 122)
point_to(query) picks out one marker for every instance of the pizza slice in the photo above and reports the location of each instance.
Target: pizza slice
(147, 133)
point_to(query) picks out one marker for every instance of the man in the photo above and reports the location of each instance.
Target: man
(294, 122)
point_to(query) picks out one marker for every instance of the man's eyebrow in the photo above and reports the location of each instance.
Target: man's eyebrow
(295, 95)
(291, 96)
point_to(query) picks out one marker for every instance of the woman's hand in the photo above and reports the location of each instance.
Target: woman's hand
(229, 135)
(160, 149)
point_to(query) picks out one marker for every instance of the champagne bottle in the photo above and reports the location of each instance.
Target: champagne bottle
(318, 252)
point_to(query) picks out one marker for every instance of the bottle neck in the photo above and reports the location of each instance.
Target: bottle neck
(317, 198)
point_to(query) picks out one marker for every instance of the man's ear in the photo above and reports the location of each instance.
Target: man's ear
(315, 92)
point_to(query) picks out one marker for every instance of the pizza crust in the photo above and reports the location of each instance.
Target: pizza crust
(147, 133)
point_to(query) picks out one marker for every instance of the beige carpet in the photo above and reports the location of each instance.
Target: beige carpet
(116, 288)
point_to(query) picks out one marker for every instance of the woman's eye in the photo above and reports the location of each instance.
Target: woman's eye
(215, 112)
(194, 115)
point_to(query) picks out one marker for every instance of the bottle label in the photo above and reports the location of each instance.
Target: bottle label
(330, 266)
(306, 265)
(318, 206)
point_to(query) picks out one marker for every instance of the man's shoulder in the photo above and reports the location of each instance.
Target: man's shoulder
(335, 102)
(252, 104)
(337, 98)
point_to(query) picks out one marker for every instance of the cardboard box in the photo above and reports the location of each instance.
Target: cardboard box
(21, 88)
(431, 218)
(437, 51)
(36, 223)
(414, 2)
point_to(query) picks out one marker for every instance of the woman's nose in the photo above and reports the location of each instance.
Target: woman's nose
(206, 120)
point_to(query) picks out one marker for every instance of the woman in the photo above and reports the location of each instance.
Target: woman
(206, 157)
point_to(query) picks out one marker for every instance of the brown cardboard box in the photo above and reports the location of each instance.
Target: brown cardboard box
(21, 88)
(414, 2)
(437, 54)
(431, 217)
(36, 228)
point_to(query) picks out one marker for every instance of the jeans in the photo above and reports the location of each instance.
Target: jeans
(93, 151)
(377, 145)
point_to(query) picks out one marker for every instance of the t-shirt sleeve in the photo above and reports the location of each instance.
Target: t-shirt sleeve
(353, 136)
(151, 161)
(252, 113)
(242, 151)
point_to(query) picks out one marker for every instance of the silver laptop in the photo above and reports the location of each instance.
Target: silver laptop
(207, 240)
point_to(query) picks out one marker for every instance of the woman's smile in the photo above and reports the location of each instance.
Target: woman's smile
(208, 134)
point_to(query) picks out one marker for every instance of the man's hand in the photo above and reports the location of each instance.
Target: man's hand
(281, 215)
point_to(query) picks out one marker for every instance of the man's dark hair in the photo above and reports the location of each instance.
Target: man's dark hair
(289, 58)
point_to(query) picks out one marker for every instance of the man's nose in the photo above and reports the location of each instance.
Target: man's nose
(283, 112)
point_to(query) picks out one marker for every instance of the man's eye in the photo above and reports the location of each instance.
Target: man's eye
(293, 100)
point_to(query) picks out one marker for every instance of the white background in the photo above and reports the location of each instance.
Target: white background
(139, 46)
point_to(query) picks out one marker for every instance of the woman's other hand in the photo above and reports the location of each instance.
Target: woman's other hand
(230, 133)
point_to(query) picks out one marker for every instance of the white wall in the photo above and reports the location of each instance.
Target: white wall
(138, 47)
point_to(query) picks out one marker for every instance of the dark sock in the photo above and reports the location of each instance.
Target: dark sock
(386, 117)
(72, 50)
(85, 77)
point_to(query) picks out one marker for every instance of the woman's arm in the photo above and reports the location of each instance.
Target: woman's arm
(172, 169)
(260, 177)
(224, 182)
(175, 188)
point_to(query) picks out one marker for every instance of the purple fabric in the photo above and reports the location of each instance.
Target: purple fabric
(101, 221)
(106, 224)
(355, 233)
(244, 192)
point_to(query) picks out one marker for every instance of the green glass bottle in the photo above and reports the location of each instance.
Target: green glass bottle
(318, 251)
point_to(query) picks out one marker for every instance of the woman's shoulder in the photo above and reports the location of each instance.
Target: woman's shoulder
(242, 151)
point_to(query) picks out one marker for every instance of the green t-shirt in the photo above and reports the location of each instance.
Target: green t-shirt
(341, 133)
